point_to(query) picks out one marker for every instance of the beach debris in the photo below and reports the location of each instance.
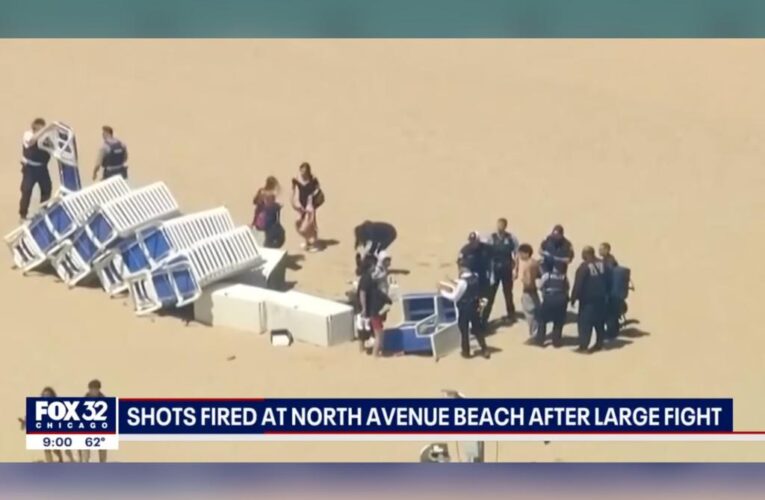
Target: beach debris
(281, 338)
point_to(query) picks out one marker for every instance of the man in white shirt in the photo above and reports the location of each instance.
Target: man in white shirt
(34, 167)
(466, 294)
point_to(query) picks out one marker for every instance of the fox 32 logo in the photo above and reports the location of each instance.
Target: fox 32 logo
(71, 415)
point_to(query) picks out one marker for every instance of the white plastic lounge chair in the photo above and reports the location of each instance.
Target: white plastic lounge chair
(41, 237)
(151, 247)
(61, 143)
(108, 225)
(181, 279)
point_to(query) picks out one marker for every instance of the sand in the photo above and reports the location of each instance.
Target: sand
(654, 146)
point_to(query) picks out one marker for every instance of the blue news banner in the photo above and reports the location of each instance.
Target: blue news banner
(79, 423)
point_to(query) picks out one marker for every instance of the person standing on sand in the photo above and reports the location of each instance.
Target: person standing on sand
(529, 273)
(591, 291)
(373, 302)
(466, 294)
(476, 255)
(620, 286)
(504, 269)
(554, 285)
(94, 391)
(34, 167)
(266, 221)
(556, 248)
(307, 197)
(48, 392)
(112, 156)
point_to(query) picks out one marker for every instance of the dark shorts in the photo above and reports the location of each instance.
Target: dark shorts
(111, 172)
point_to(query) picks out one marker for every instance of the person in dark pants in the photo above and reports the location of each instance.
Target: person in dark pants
(620, 286)
(477, 256)
(591, 291)
(556, 248)
(466, 295)
(604, 252)
(112, 157)
(94, 391)
(373, 301)
(372, 238)
(34, 167)
(504, 269)
(554, 286)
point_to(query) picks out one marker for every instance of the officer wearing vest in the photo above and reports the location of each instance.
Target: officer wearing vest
(556, 248)
(591, 289)
(466, 294)
(112, 157)
(621, 284)
(34, 167)
(554, 286)
(504, 269)
(476, 256)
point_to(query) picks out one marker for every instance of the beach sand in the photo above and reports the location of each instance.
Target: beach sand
(655, 146)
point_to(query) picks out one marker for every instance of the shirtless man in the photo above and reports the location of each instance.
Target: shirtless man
(528, 270)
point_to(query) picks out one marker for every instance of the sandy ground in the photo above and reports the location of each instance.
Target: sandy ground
(654, 146)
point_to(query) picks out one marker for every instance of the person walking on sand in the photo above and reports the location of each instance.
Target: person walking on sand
(34, 167)
(265, 221)
(307, 197)
(504, 269)
(94, 391)
(466, 294)
(112, 156)
(48, 392)
(528, 269)
(591, 291)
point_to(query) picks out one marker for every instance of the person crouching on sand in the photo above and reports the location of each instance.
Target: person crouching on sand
(307, 197)
(265, 221)
(48, 392)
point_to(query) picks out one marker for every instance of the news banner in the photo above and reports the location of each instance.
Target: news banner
(101, 423)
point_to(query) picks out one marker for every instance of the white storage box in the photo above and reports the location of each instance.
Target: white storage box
(311, 319)
(240, 307)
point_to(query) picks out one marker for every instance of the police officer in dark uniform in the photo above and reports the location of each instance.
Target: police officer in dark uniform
(504, 269)
(112, 157)
(620, 286)
(34, 167)
(591, 289)
(554, 286)
(556, 248)
(477, 256)
(466, 295)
